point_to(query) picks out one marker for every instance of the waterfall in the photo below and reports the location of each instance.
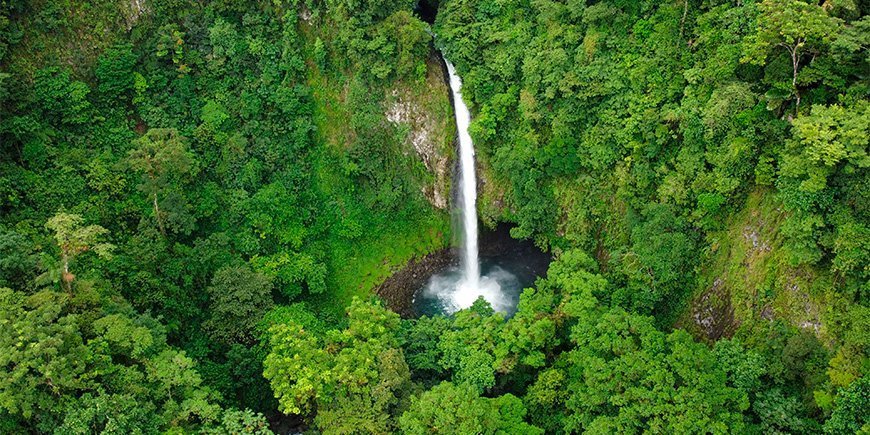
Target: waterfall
(468, 181)
(456, 289)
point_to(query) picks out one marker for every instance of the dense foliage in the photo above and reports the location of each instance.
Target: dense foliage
(197, 198)
(178, 172)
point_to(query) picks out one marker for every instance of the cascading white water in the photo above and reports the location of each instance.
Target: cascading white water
(455, 289)
(468, 180)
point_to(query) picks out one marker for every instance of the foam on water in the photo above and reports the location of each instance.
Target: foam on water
(452, 291)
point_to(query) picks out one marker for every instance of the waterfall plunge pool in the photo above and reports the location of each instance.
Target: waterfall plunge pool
(425, 286)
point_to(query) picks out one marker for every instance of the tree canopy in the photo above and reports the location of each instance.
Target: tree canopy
(199, 201)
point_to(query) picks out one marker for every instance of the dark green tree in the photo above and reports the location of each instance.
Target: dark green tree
(239, 299)
(162, 156)
(801, 29)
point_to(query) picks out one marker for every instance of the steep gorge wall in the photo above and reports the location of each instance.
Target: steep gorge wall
(745, 278)
(424, 109)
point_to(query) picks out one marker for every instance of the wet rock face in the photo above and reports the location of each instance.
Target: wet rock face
(135, 9)
(422, 136)
(756, 242)
(420, 108)
(713, 314)
(748, 280)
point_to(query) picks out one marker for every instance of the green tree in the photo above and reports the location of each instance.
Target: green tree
(368, 11)
(850, 414)
(468, 348)
(73, 368)
(241, 422)
(162, 156)
(239, 298)
(171, 40)
(74, 238)
(62, 98)
(829, 151)
(420, 338)
(529, 340)
(781, 413)
(297, 367)
(115, 70)
(800, 28)
(625, 376)
(356, 378)
(34, 333)
(17, 258)
(452, 409)
(320, 53)
(659, 265)
(828, 140)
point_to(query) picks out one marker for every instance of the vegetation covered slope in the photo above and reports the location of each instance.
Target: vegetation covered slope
(209, 165)
(192, 194)
(711, 157)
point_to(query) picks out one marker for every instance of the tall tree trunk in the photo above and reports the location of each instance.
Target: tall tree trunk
(797, 91)
(683, 20)
(66, 277)
(157, 215)
(795, 64)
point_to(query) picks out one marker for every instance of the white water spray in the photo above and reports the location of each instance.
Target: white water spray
(468, 180)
